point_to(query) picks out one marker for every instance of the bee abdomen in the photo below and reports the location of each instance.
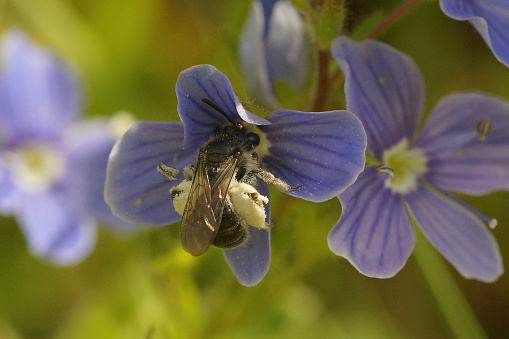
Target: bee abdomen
(232, 232)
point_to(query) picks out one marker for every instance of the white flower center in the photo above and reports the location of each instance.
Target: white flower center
(408, 165)
(120, 123)
(35, 167)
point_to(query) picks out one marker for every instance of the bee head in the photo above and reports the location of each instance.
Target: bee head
(254, 138)
(236, 128)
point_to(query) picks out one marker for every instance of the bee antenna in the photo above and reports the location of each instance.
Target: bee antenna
(217, 108)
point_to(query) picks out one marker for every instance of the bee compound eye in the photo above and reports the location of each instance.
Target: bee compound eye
(254, 138)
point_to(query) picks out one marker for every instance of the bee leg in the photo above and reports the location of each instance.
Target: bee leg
(271, 179)
(189, 172)
(168, 172)
(255, 157)
(249, 179)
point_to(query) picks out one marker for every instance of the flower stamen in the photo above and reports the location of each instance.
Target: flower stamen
(491, 222)
(483, 129)
(384, 169)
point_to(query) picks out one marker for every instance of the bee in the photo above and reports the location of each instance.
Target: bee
(218, 198)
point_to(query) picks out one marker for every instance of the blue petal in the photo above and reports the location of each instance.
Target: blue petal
(489, 17)
(268, 8)
(458, 160)
(456, 233)
(55, 230)
(374, 231)
(286, 46)
(251, 262)
(88, 146)
(39, 95)
(10, 195)
(199, 119)
(383, 87)
(253, 59)
(273, 47)
(323, 151)
(135, 190)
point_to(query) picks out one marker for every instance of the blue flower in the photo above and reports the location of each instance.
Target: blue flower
(453, 151)
(52, 171)
(323, 151)
(273, 48)
(489, 17)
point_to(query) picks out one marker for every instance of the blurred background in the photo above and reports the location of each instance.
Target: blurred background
(129, 54)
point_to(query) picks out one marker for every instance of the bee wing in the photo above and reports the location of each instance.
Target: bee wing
(205, 205)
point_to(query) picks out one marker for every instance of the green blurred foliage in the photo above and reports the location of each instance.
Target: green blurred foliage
(129, 54)
(326, 18)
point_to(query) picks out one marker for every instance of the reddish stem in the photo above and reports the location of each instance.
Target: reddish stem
(323, 83)
(397, 14)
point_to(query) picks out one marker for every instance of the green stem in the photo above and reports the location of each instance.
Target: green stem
(455, 308)
(397, 14)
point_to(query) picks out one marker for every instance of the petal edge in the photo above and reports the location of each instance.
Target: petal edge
(459, 236)
(374, 231)
(323, 151)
